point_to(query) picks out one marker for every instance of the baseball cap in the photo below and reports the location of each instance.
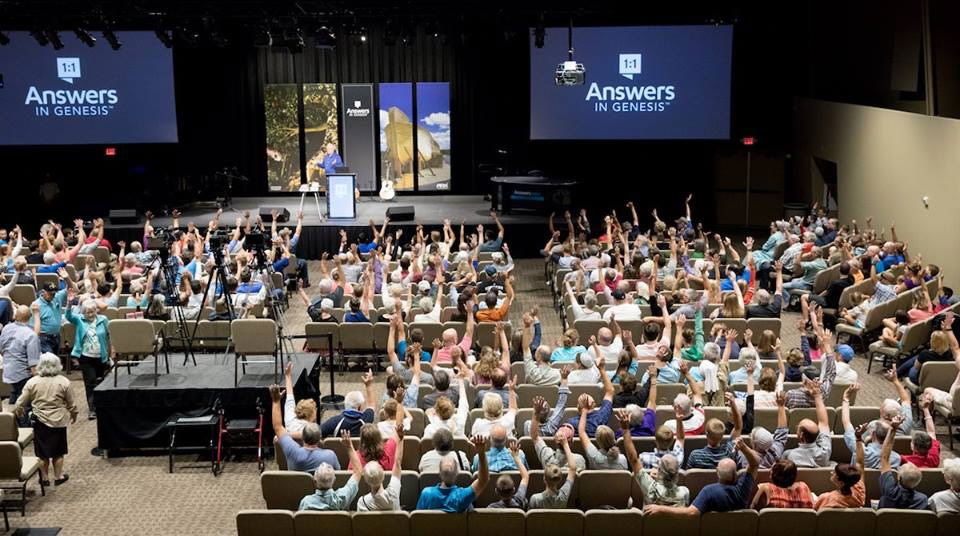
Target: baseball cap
(490, 269)
(424, 286)
(586, 360)
(50, 286)
(618, 294)
(846, 352)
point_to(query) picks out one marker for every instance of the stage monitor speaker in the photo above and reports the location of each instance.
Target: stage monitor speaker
(283, 215)
(400, 213)
(123, 215)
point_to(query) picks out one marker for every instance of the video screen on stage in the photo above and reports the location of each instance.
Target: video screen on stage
(641, 82)
(86, 95)
(280, 102)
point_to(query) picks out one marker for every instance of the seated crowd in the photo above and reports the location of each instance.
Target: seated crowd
(626, 267)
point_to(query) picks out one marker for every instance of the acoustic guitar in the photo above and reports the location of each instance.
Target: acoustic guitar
(387, 191)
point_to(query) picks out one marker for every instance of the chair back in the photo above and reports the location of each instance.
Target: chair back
(284, 489)
(496, 522)
(759, 325)
(380, 523)
(265, 523)
(11, 461)
(606, 522)
(437, 522)
(729, 523)
(356, 336)
(603, 488)
(431, 330)
(938, 374)
(787, 521)
(132, 336)
(335, 523)
(566, 522)
(894, 522)
(316, 340)
(23, 294)
(254, 336)
(846, 522)
(668, 523)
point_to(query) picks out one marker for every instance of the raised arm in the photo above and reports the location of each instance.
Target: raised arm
(735, 415)
(652, 394)
(276, 415)
(753, 459)
(514, 447)
(608, 390)
(368, 387)
(633, 460)
(887, 447)
(483, 474)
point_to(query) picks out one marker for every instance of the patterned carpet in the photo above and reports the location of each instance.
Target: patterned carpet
(137, 495)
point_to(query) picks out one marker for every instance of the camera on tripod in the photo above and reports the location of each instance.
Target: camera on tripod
(161, 241)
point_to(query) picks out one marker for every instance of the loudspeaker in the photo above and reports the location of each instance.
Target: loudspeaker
(400, 213)
(283, 215)
(123, 215)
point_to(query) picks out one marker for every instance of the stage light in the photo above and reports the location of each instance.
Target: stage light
(363, 38)
(40, 37)
(4, 39)
(54, 37)
(111, 38)
(165, 37)
(85, 37)
(324, 38)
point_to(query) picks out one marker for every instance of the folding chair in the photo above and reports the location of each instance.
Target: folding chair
(136, 337)
(254, 336)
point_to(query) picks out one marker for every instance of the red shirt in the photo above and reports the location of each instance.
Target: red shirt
(932, 459)
(389, 454)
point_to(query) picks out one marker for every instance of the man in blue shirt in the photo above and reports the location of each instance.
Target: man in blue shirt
(356, 412)
(728, 494)
(331, 160)
(491, 242)
(51, 302)
(600, 415)
(308, 457)
(499, 457)
(449, 497)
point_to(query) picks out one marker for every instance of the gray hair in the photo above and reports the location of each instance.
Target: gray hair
(748, 354)
(951, 473)
(426, 303)
(88, 306)
(311, 434)
(910, 476)
(324, 476)
(764, 297)
(49, 365)
(711, 351)
(373, 474)
(449, 469)
(353, 400)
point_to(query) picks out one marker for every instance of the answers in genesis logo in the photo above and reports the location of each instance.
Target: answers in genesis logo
(643, 98)
(358, 110)
(68, 69)
(70, 102)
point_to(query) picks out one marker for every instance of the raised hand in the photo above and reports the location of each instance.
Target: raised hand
(367, 378)
(539, 405)
(479, 442)
(274, 392)
(345, 439)
(564, 372)
(623, 418)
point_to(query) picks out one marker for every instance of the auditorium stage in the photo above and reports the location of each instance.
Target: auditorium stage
(526, 231)
(131, 417)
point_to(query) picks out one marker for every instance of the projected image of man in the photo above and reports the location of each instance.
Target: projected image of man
(331, 160)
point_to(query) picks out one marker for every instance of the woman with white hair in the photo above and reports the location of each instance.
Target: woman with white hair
(948, 500)
(748, 358)
(493, 413)
(660, 489)
(91, 347)
(49, 395)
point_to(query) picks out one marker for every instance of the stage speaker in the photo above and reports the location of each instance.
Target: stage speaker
(123, 215)
(400, 213)
(283, 215)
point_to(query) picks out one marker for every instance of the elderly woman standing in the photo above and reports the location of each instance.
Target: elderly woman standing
(91, 346)
(48, 393)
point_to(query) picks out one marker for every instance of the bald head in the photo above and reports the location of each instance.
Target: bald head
(807, 431)
(543, 353)
(498, 436)
(727, 471)
(604, 336)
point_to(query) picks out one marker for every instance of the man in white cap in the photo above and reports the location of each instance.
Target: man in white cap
(769, 446)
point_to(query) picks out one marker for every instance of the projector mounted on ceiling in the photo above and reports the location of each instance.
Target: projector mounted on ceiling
(570, 73)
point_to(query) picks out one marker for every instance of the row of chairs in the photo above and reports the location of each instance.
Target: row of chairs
(592, 488)
(757, 325)
(915, 336)
(600, 522)
(873, 322)
(415, 448)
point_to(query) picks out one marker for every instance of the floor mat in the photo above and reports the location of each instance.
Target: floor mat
(37, 532)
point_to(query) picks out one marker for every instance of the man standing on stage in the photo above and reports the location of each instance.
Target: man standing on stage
(331, 160)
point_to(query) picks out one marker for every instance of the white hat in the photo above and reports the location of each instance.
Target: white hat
(424, 286)
(643, 290)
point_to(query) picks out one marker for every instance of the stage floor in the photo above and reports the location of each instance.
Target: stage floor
(430, 210)
(133, 415)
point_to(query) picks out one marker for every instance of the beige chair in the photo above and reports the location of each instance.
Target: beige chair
(23, 294)
(794, 416)
(696, 479)
(664, 524)
(948, 524)
(136, 338)
(858, 416)
(846, 522)
(787, 522)
(254, 336)
(265, 523)
(356, 338)
(437, 522)
(601, 488)
(381, 524)
(893, 522)
(15, 467)
(526, 393)
(666, 392)
(317, 338)
(326, 523)
(554, 523)
(213, 335)
(496, 522)
(10, 432)
(44, 278)
(729, 523)
(607, 522)
(758, 325)
(284, 489)
(431, 330)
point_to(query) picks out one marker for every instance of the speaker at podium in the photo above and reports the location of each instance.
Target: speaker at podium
(341, 203)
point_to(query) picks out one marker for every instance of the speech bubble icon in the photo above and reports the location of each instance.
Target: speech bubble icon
(630, 65)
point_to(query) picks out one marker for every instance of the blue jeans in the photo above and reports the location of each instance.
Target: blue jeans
(795, 284)
(15, 390)
(50, 343)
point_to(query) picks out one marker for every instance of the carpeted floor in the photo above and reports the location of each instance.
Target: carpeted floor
(136, 495)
